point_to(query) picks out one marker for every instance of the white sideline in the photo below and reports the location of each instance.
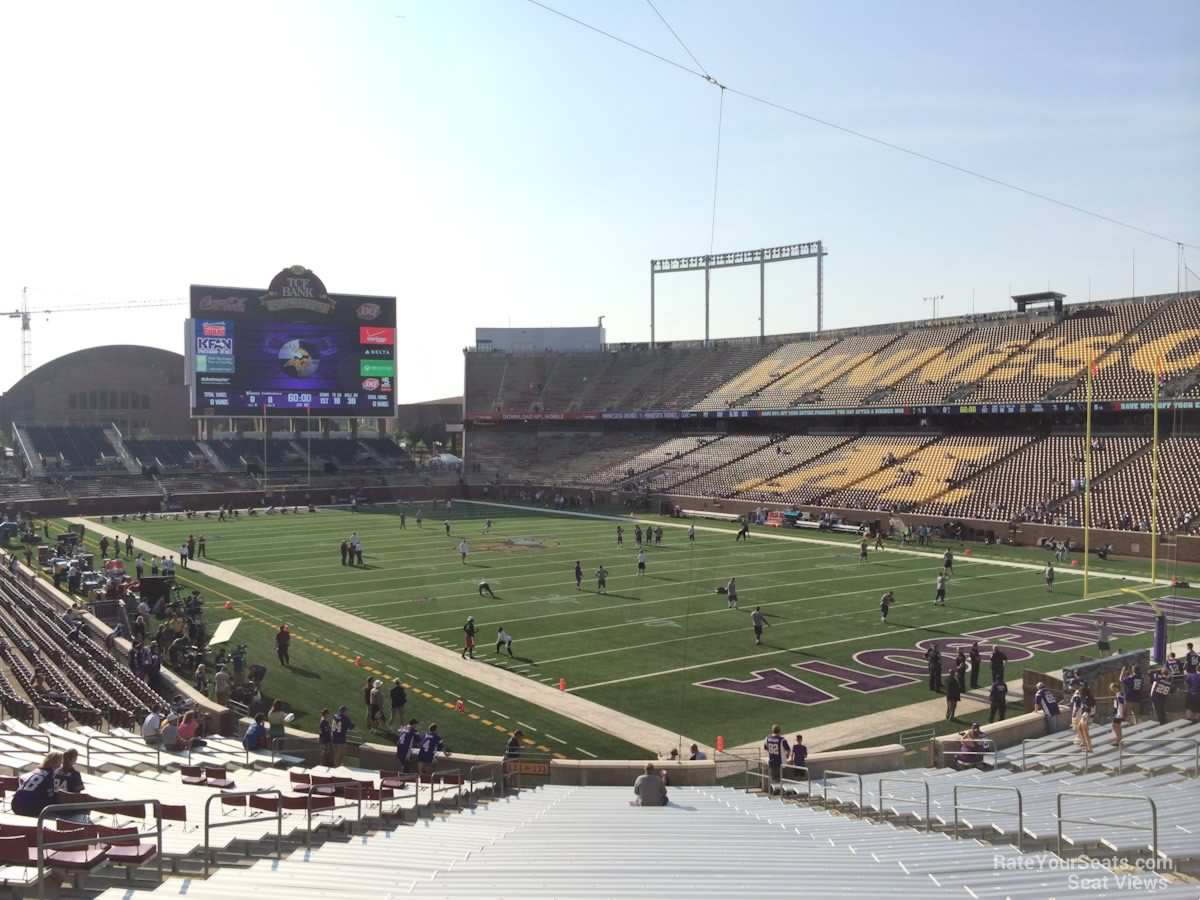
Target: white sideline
(773, 534)
(635, 731)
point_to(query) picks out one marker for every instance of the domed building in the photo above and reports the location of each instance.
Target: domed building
(136, 388)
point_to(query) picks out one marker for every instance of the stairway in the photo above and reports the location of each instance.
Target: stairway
(114, 437)
(21, 438)
(213, 459)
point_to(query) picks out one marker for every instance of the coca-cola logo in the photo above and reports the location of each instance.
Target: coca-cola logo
(370, 384)
(223, 304)
(369, 311)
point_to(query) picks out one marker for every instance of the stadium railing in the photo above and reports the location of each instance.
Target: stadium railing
(1152, 827)
(997, 788)
(53, 812)
(825, 786)
(1178, 753)
(210, 825)
(880, 796)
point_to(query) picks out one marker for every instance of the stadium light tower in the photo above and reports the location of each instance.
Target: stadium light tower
(935, 300)
(760, 258)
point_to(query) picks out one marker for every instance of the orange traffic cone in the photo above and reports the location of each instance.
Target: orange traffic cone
(562, 684)
(229, 604)
(460, 706)
(720, 744)
(1074, 563)
(358, 660)
(968, 553)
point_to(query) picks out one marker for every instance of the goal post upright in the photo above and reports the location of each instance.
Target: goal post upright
(786, 253)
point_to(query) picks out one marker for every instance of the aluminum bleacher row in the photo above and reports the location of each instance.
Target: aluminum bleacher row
(572, 842)
(246, 797)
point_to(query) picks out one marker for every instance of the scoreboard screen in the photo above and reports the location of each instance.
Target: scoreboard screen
(291, 350)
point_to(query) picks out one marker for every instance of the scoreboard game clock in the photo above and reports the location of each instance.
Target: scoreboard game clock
(291, 349)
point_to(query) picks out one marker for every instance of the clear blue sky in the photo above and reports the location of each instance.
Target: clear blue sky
(486, 161)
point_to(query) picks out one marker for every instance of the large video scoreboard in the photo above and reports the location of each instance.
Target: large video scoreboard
(291, 350)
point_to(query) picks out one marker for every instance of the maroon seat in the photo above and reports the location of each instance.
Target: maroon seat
(218, 778)
(193, 775)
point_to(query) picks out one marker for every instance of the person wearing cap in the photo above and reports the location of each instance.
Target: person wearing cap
(777, 748)
(170, 734)
(405, 740)
(399, 698)
(514, 745)
(469, 642)
(282, 640)
(341, 727)
(1045, 700)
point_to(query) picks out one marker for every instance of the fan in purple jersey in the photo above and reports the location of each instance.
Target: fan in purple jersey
(1131, 685)
(1045, 700)
(777, 748)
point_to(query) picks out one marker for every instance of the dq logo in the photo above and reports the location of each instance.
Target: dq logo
(370, 384)
(369, 311)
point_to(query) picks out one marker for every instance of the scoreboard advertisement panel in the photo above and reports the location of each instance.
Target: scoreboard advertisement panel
(292, 349)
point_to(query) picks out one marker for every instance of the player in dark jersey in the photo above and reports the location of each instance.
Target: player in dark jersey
(948, 564)
(485, 588)
(939, 597)
(862, 550)
(578, 576)
(777, 748)
(620, 536)
(637, 536)
(469, 638)
(602, 579)
(743, 532)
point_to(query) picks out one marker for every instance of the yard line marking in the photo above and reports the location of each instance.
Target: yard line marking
(390, 666)
(553, 738)
(473, 703)
(496, 712)
(527, 727)
(432, 685)
(588, 752)
(373, 659)
(411, 675)
(860, 638)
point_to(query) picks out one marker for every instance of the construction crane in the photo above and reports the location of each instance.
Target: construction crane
(25, 314)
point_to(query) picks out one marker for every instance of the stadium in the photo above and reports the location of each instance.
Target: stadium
(892, 606)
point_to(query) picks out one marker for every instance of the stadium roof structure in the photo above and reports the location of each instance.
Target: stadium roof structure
(1047, 297)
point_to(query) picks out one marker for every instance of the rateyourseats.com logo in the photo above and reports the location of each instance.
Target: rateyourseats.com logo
(1118, 873)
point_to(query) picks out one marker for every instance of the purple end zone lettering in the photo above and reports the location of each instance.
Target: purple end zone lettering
(772, 684)
(904, 662)
(855, 679)
(1035, 640)
(951, 646)
(1074, 626)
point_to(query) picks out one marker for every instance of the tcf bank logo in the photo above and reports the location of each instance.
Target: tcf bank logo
(369, 311)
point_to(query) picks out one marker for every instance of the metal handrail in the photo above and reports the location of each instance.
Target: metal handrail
(404, 777)
(317, 790)
(880, 796)
(33, 737)
(1153, 829)
(1002, 788)
(433, 776)
(492, 781)
(57, 808)
(825, 780)
(263, 792)
(1070, 751)
(1181, 740)
(157, 748)
(765, 776)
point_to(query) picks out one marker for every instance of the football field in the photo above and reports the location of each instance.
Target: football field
(665, 646)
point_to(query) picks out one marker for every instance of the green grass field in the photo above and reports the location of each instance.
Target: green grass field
(644, 647)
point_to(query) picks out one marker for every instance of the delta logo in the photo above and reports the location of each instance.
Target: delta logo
(369, 311)
(214, 329)
(382, 336)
